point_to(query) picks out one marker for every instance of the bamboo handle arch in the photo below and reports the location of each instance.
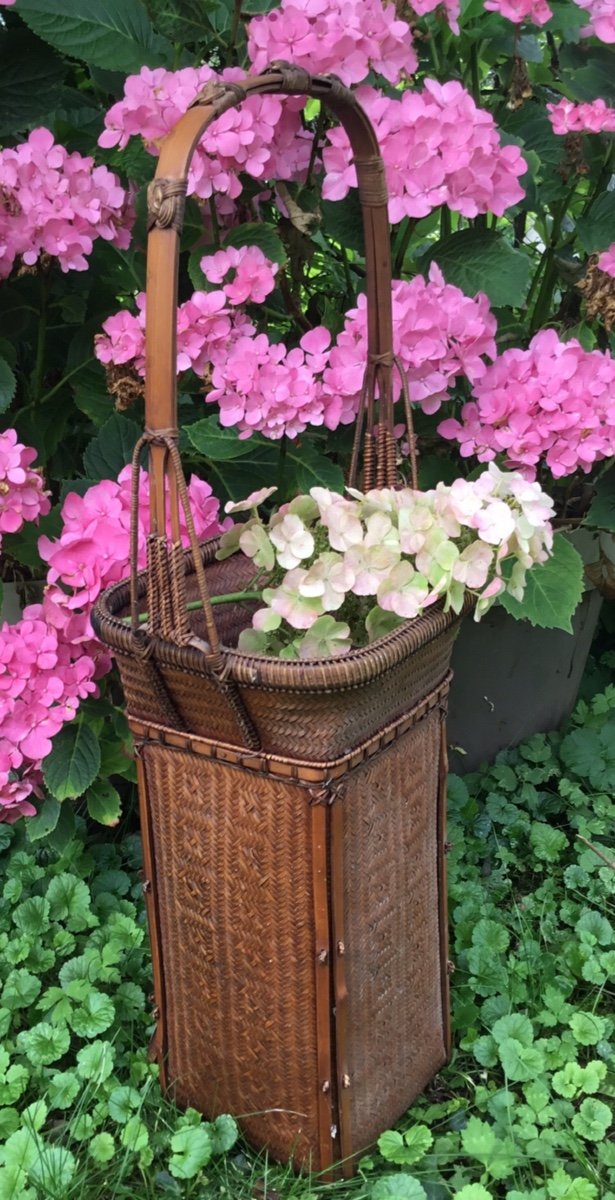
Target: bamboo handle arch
(166, 202)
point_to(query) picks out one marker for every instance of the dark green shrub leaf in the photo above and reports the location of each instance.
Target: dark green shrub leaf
(219, 444)
(31, 77)
(74, 761)
(8, 384)
(110, 33)
(596, 229)
(111, 449)
(553, 589)
(104, 804)
(480, 260)
(257, 233)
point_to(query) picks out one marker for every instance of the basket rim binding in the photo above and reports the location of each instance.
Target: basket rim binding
(361, 665)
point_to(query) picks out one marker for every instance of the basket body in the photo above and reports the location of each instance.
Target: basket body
(296, 895)
(292, 811)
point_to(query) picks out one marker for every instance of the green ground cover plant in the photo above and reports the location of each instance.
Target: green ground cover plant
(524, 1111)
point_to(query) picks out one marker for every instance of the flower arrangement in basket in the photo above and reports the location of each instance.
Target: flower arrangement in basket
(286, 684)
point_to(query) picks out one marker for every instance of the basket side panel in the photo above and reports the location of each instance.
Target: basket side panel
(234, 881)
(390, 1007)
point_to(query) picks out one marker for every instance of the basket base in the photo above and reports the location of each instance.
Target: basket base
(298, 916)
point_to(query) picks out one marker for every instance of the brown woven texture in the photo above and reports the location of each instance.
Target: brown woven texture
(268, 891)
(292, 812)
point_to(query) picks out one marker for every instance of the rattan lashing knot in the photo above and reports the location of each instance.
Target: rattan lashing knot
(327, 794)
(166, 200)
(294, 78)
(221, 93)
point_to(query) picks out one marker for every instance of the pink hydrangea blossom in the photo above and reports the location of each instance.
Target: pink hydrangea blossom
(606, 261)
(567, 117)
(50, 659)
(554, 402)
(57, 203)
(205, 330)
(22, 492)
(438, 148)
(451, 8)
(252, 274)
(519, 11)
(601, 19)
(263, 386)
(346, 37)
(93, 548)
(263, 137)
(439, 334)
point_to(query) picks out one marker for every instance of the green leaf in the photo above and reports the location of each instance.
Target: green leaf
(104, 804)
(134, 1135)
(45, 820)
(592, 1120)
(596, 228)
(313, 469)
(547, 843)
(515, 1025)
(256, 233)
(69, 900)
(481, 260)
(32, 917)
(52, 1171)
(343, 221)
(20, 989)
(8, 385)
(44, 1043)
(210, 438)
(93, 1016)
(397, 1187)
(122, 1103)
(62, 1089)
(553, 589)
(95, 1062)
(224, 1134)
(192, 1150)
(588, 1028)
(519, 1062)
(31, 77)
(473, 1191)
(601, 512)
(14, 1083)
(111, 449)
(562, 1187)
(102, 1148)
(115, 34)
(74, 761)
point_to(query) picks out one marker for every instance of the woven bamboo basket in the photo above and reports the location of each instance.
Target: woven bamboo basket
(292, 812)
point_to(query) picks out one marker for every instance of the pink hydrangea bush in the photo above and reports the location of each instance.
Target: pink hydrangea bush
(438, 148)
(56, 203)
(324, 36)
(252, 274)
(601, 19)
(439, 334)
(553, 403)
(397, 551)
(22, 490)
(206, 329)
(263, 138)
(50, 659)
(567, 117)
(261, 386)
(520, 11)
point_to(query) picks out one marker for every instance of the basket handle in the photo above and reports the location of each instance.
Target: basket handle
(166, 200)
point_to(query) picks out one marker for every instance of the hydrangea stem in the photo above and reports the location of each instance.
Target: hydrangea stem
(194, 605)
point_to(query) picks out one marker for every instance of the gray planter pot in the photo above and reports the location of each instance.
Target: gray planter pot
(512, 680)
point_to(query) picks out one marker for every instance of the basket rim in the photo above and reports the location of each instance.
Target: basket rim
(350, 670)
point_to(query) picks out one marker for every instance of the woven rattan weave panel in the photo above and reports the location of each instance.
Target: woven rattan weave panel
(393, 958)
(233, 852)
(300, 932)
